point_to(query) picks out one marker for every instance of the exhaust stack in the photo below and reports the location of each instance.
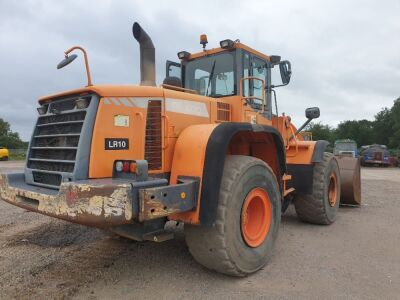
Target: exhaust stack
(147, 56)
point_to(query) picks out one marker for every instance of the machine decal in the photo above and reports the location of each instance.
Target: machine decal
(187, 107)
(115, 101)
(116, 144)
(121, 121)
(130, 102)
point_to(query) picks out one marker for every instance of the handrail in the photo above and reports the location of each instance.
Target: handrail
(253, 97)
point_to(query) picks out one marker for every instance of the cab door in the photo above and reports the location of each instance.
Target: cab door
(256, 70)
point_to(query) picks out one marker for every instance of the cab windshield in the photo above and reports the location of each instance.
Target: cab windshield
(212, 75)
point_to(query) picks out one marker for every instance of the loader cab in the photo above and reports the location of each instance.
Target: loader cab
(219, 73)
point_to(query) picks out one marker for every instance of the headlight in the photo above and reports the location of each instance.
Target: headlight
(42, 110)
(226, 43)
(183, 55)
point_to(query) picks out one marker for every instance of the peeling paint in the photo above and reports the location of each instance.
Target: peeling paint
(97, 205)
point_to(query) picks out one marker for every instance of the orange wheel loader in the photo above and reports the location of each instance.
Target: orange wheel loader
(206, 148)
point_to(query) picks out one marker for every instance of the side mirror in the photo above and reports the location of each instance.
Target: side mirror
(66, 61)
(286, 71)
(312, 113)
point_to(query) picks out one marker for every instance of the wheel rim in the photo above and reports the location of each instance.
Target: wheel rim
(332, 190)
(256, 217)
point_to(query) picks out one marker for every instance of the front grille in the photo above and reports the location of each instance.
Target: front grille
(55, 142)
(153, 143)
(66, 167)
(60, 106)
(47, 178)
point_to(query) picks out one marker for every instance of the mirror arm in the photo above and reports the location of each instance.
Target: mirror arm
(300, 129)
(275, 86)
(302, 126)
(86, 62)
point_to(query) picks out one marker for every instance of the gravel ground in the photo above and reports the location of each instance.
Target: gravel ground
(357, 257)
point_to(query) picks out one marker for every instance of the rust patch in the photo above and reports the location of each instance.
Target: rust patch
(96, 205)
(152, 208)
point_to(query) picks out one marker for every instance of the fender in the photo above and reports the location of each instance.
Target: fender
(319, 150)
(209, 157)
(303, 173)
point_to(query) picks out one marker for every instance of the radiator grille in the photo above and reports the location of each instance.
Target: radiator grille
(54, 146)
(47, 178)
(223, 112)
(153, 142)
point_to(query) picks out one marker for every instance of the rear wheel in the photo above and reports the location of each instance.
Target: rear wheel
(322, 205)
(247, 223)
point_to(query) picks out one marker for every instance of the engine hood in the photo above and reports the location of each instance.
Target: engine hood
(109, 91)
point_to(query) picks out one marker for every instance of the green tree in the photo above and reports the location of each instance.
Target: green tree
(394, 137)
(321, 132)
(9, 139)
(361, 131)
(383, 126)
(4, 128)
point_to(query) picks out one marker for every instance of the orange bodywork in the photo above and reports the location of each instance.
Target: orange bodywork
(188, 159)
(188, 120)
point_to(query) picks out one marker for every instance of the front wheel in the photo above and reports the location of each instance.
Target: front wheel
(322, 205)
(248, 217)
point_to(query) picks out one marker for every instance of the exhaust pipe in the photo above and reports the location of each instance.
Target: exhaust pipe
(147, 56)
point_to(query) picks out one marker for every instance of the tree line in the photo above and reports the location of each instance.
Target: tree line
(384, 129)
(10, 139)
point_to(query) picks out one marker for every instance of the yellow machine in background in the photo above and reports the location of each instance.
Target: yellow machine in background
(4, 153)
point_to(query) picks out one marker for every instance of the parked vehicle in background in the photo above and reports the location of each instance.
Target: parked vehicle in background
(345, 147)
(4, 154)
(346, 154)
(375, 155)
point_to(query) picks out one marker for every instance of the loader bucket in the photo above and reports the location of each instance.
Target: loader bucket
(350, 180)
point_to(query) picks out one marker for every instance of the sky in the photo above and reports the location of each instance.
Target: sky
(345, 55)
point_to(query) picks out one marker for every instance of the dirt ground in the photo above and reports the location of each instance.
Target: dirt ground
(357, 257)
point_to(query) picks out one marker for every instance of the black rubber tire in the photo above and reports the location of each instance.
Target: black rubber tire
(221, 247)
(315, 208)
(5, 158)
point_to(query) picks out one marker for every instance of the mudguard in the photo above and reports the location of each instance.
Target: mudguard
(211, 162)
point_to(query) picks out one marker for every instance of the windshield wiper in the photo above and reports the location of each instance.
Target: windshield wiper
(211, 76)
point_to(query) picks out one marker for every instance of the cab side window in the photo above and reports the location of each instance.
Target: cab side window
(246, 73)
(259, 70)
(254, 67)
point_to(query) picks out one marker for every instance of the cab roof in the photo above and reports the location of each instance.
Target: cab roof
(236, 45)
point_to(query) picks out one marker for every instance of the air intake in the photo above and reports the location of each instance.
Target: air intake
(153, 142)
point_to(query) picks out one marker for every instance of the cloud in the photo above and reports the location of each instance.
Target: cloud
(344, 53)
